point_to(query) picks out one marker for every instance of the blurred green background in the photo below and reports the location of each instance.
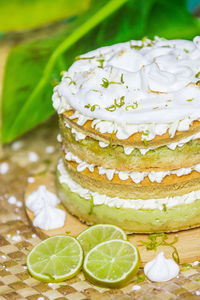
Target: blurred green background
(192, 4)
(44, 37)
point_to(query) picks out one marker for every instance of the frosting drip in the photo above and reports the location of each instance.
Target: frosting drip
(150, 86)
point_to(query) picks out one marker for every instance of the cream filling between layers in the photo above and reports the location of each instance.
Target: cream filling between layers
(128, 150)
(171, 146)
(99, 199)
(136, 177)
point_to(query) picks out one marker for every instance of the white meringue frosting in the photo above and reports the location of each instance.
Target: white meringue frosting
(161, 269)
(155, 80)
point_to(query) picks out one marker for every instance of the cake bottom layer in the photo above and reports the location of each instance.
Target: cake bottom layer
(175, 218)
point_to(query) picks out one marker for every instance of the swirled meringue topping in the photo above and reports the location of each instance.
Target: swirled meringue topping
(136, 82)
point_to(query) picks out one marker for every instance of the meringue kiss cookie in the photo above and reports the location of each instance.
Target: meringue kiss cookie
(38, 198)
(43, 204)
(161, 269)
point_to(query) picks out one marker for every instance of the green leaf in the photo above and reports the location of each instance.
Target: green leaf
(33, 68)
(171, 19)
(21, 15)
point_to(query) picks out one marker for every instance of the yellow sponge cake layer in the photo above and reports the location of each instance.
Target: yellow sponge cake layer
(135, 140)
(171, 185)
(113, 156)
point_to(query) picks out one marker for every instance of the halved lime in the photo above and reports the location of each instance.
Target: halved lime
(112, 263)
(55, 259)
(97, 234)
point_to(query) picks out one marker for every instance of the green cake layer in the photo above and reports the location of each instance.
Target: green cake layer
(176, 218)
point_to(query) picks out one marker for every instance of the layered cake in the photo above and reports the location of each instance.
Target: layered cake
(129, 117)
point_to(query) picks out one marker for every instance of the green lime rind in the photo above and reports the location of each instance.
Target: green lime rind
(112, 264)
(99, 233)
(55, 259)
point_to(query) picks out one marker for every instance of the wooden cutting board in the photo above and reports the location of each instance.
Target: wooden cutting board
(188, 244)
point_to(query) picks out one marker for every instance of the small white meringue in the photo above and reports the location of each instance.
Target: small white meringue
(161, 269)
(43, 204)
(37, 199)
(50, 218)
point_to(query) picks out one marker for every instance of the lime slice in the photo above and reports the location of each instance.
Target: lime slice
(112, 264)
(97, 234)
(55, 259)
